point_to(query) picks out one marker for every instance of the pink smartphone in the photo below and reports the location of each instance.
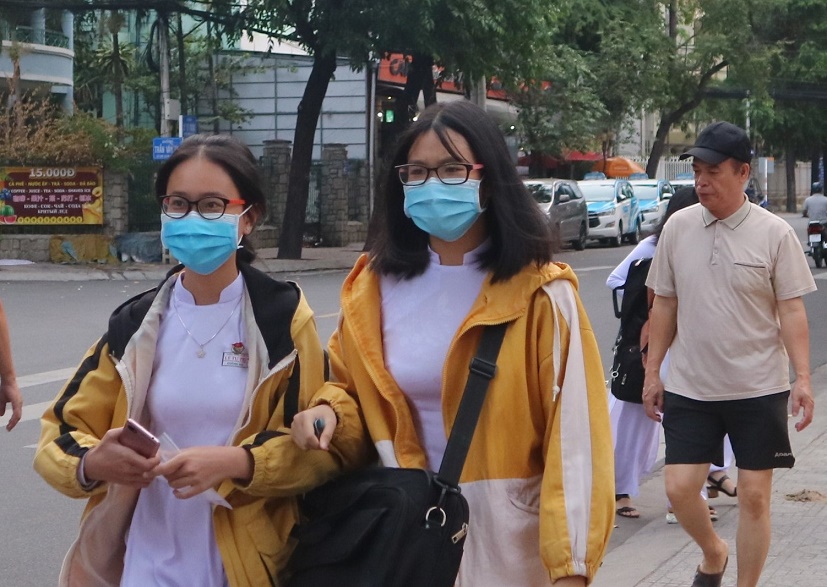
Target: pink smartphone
(139, 439)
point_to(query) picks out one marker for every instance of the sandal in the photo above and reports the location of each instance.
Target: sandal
(716, 485)
(709, 579)
(628, 512)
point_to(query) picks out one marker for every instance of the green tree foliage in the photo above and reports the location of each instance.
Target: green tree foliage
(52, 137)
(560, 114)
(710, 40)
(789, 114)
(477, 37)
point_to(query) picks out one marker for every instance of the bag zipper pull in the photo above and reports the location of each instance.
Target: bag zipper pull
(461, 534)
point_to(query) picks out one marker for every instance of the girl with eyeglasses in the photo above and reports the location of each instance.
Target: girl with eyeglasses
(461, 245)
(202, 362)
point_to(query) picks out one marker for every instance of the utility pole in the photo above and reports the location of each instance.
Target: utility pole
(163, 54)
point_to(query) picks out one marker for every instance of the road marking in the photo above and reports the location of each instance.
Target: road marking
(333, 315)
(45, 377)
(34, 411)
(598, 268)
(820, 276)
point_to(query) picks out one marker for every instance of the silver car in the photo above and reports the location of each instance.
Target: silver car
(563, 203)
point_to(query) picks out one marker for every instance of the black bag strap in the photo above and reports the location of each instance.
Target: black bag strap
(482, 369)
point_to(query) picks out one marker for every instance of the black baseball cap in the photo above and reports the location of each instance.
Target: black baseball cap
(720, 141)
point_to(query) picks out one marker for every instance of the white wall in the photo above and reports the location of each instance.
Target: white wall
(273, 92)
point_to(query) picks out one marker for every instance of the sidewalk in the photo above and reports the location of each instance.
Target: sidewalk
(649, 552)
(313, 259)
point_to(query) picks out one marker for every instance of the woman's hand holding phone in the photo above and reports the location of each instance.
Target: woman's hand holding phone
(112, 462)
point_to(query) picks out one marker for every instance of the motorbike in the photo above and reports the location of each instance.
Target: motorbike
(815, 238)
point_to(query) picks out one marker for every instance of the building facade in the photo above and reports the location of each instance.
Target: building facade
(41, 43)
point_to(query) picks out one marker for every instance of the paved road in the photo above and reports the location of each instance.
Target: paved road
(55, 313)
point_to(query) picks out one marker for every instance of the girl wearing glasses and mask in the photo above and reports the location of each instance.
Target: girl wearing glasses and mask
(202, 362)
(462, 245)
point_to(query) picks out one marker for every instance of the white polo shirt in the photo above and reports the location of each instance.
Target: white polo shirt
(728, 275)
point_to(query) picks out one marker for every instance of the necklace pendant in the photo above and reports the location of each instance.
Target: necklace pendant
(201, 353)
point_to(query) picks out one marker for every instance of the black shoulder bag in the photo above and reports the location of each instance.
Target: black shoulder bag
(627, 364)
(393, 527)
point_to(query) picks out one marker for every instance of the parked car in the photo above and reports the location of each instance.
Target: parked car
(683, 180)
(753, 188)
(564, 205)
(613, 210)
(652, 197)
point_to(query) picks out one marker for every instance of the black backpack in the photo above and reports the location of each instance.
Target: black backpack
(627, 367)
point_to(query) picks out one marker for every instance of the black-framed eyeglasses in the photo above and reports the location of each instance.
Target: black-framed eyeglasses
(448, 173)
(209, 208)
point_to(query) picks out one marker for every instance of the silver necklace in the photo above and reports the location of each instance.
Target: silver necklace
(201, 353)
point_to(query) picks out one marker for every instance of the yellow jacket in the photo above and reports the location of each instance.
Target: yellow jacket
(539, 475)
(111, 384)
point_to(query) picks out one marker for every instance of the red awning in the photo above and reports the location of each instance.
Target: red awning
(548, 162)
(583, 156)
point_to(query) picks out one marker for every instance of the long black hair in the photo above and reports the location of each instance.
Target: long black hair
(683, 198)
(519, 232)
(236, 160)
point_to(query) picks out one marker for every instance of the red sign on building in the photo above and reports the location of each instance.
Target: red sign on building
(51, 195)
(393, 69)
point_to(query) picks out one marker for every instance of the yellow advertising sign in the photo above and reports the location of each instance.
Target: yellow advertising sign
(51, 195)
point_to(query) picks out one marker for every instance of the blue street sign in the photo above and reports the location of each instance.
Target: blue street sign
(163, 147)
(187, 125)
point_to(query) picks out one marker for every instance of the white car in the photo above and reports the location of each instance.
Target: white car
(652, 198)
(613, 210)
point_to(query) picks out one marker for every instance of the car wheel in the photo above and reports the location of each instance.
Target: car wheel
(634, 237)
(580, 243)
(618, 238)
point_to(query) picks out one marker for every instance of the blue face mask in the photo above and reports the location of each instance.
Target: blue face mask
(201, 245)
(442, 210)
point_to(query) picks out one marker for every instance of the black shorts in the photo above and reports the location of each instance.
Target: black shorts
(757, 428)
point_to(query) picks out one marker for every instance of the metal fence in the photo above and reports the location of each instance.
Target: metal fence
(668, 167)
(313, 213)
(27, 34)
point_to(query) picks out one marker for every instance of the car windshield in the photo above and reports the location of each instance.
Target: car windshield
(540, 192)
(646, 191)
(598, 192)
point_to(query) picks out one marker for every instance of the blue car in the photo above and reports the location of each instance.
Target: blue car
(652, 197)
(613, 210)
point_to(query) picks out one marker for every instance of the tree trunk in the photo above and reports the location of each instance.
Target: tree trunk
(420, 78)
(117, 81)
(182, 68)
(15, 94)
(310, 107)
(114, 25)
(216, 127)
(667, 119)
(659, 145)
(789, 167)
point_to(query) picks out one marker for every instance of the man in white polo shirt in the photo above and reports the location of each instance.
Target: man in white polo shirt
(728, 278)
